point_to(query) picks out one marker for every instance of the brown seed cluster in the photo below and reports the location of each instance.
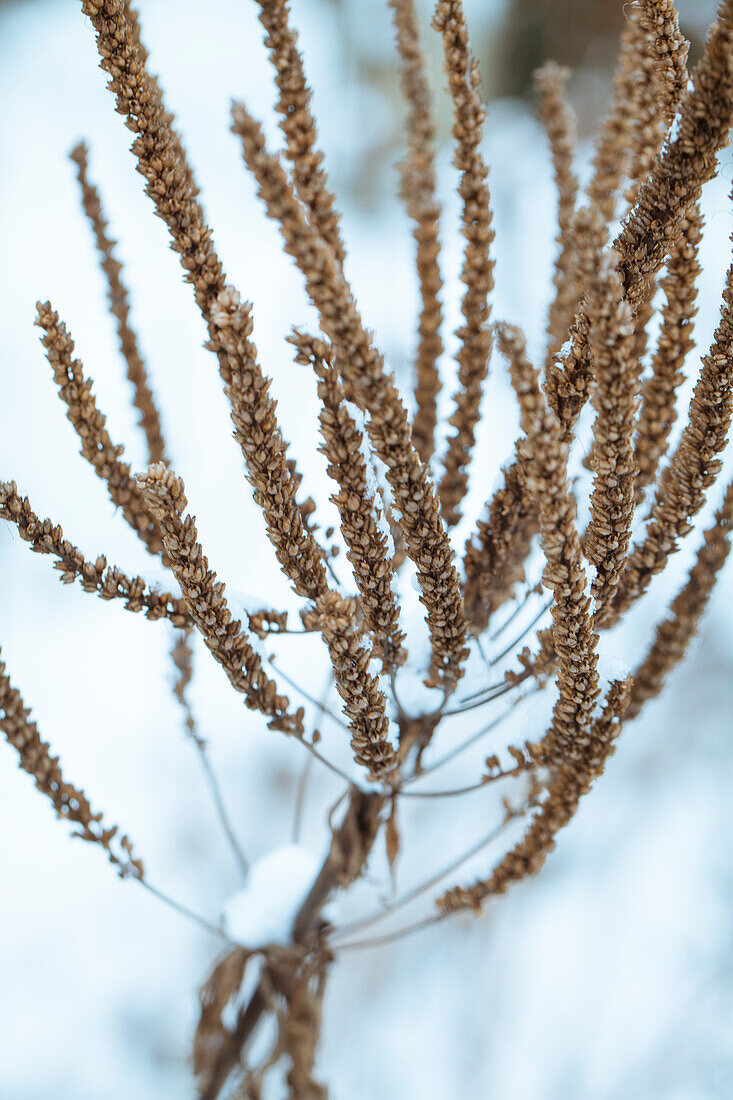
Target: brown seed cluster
(661, 19)
(206, 601)
(616, 372)
(687, 162)
(91, 426)
(673, 186)
(574, 640)
(559, 123)
(298, 124)
(657, 148)
(649, 122)
(674, 634)
(69, 802)
(566, 787)
(365, 379)
(477, 273)
(494, 557)
(693, 467)
(613, 151)
(256, 430)
(119, 307)
(364, 701)
(157, 146)
(267, 621)
(418, 190)
(658, 396)
(107, 581)
(367, 545)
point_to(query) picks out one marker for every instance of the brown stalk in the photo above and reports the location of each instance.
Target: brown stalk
(559, 123)
(477, 273)
(119, 307)
(351, 844)
(69, 802)
(674, 185)
(366, 380)
(587, 233)
(613, 149)
(574, 641)
(157, 146)
(693, 467)
(652, 104)
(687, 162)
(256, 430)
(90, 425)
(566, 787)
(418, 190)
(658, 411)
(108, 582)
(661, 20)
(674, 634)
(581, 244)
(170, 184)
(298, 124)
(614, 393)
(494, 557)
(367, 545)
(224, 637)
(364, 702)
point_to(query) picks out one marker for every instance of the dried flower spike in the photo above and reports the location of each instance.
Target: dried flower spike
(367, 544)
(119, 307)
(676, 631)
(91, 427)
(365, 703)
(204, 595)
(574, 641)
(616, 371)
(298, 124)
(108, 582)
(69, 802)
(365, 378)
(477, 273)
(418, 190)
(256, 430)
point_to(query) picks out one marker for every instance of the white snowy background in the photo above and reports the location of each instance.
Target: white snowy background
(608, 977)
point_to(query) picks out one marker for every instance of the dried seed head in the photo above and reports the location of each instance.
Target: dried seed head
(70, 802)
(477, 273)
(205, 598)
(419, 192)
(119, 307)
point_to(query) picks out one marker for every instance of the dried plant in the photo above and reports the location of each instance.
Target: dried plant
(397, 499)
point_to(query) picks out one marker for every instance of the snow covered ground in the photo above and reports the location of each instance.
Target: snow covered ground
(611, 975)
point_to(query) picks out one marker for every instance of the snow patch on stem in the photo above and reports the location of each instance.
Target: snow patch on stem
(264, 910)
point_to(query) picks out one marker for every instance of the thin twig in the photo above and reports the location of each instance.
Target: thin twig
(532, 591)
(300, 798)
(486, 781)
(307, 696)
(221, 809)
(305, 774)
(202, 922)
(392, 937)
(481, 693)
(520, 637)
(182, 654)
(473, 738)
(496, 694)
(324, 760)
(411, 895)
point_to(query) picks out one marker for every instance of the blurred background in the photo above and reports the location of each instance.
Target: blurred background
(608, 977)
